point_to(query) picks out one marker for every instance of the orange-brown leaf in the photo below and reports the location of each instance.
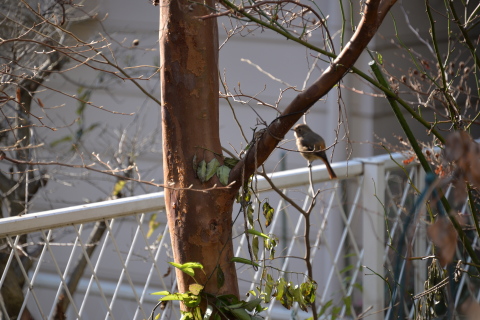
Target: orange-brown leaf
(444, 237)
(409, 160)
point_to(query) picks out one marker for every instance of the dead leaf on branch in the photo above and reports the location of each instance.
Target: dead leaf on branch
(444, 237)
(464, 153)
(471, 309)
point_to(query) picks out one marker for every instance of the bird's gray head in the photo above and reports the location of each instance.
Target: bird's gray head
(301, 129)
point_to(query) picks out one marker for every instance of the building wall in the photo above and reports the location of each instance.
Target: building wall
(368, 117)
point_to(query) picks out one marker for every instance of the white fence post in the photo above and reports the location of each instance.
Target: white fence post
(420, 245)
(373, 238)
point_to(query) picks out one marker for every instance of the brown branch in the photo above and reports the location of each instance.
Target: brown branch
(374, 13)
(112, 172)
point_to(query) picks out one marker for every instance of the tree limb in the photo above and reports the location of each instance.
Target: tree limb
(374, 13)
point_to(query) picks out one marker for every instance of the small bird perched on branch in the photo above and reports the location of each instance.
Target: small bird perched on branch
(312, 146)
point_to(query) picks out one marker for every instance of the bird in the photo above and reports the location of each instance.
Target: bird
(312, 146)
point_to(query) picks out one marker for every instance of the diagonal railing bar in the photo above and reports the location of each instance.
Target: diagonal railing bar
(339, 246)
(357, 251)
(316, 245)
(294, 239)
(464, 279)
(154, 266)
(353, 209)
(94, 274)
(276, 218)
(398, 210)
(351, 286)
(397, 224)
(124, 268)
(4, 275)
(25, 276)
(64, 275)
(59, 271)
(333, 257)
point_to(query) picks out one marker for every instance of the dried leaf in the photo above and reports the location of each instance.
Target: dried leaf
(195, 288)
(211, 168)
(464, 152)
(195, 165)
(153, 224)
(444, 236)
(250, 214)
(268, 212)
(220, 277)
(409, 160)
(471, 309)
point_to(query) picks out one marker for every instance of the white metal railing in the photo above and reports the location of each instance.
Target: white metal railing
(127, 265)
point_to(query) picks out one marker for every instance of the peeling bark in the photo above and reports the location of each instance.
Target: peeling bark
(200, 222)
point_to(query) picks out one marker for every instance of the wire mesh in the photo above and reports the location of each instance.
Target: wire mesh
(108, 266)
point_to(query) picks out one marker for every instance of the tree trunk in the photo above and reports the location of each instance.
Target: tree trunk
(200, 222)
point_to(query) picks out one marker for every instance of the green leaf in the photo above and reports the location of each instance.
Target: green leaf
(227, 299)
(186, 315)
(244, 261)
(197, 315)
(348, 305)
(297, 294)
(240, 314)
(255, 247)
(289, 297)
(153, 224)
(325, 307)
(175, 297)
(61, 140)
(92, 126)
(220, 277)
(176, 265)
(161, 293)
(187, 267)
(281, 285)
(189, 271)
(211, 168)
(192, 301)
(236, 305)
(195, 288)
(347, 268)
(257, 233)
(309, 291)
(195, 265)
(230, 162)
(252, 304)
(380, 58)
(268, 288)
(118, 187)
(202, 170)
(250, 214)
(270, 245)
(223, 172)
(268, 212)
